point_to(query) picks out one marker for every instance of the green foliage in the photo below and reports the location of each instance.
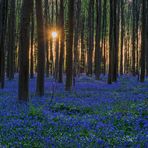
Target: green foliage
(34, 111)
(73, 109)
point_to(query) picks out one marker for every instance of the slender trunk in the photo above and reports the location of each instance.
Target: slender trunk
(91, 37)
(98, 37)
(32, 46)
(69, 49)
(11, 41)
(41, 52)
(143, 44)
(61, 60)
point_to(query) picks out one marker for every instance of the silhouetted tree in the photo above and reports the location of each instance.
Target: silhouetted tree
(143, 44)
(69, 48)
(61, 58)
(41, 49)
(26, 10)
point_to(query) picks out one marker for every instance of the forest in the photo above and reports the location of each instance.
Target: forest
(73, 73)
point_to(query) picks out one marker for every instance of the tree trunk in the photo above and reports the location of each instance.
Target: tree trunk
(143, 44)
(112, 43)
(122, 37)
(41, 52)
(98, 37)
(3, 26)
(61, 59)
(11, 41)
(91, 37)
(32, 46)
(23, 92)
(69, 48)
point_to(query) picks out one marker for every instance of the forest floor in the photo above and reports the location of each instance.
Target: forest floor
(94, 114)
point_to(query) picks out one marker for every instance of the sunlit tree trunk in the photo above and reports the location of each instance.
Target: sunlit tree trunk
(122, 37)
(133, 40)
(104, 36)
(32, 46)
(57, 44)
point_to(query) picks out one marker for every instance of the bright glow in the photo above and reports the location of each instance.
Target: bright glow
(54, 34)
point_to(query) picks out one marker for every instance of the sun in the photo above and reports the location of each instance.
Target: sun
(54, 34)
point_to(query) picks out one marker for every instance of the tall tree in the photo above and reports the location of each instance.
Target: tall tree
(41, 49)
(61, 58)
(143, 44)
(46, 13)
(69, 48)
(11, 41)
(83, 51)
(90, 37)
(122, 36)
(76, 35)
(98, 37)
(32, 46)
(3, 24)
(117, 30)
(133, 39)
(112, 43)
(104, 34)
(57, 43)
(26, 10)
(147, 40)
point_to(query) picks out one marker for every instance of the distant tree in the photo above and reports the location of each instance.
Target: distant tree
(23, 90)
(41, 49)
(83, 51)
(69, 47)
(32, 46)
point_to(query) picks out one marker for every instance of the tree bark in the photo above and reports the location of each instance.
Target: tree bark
(98, 37)
(61, 59)
(23, 92)
(41, 49)
(69, 48)
(143, 44)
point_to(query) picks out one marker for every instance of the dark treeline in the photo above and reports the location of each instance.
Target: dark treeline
(71, 37)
